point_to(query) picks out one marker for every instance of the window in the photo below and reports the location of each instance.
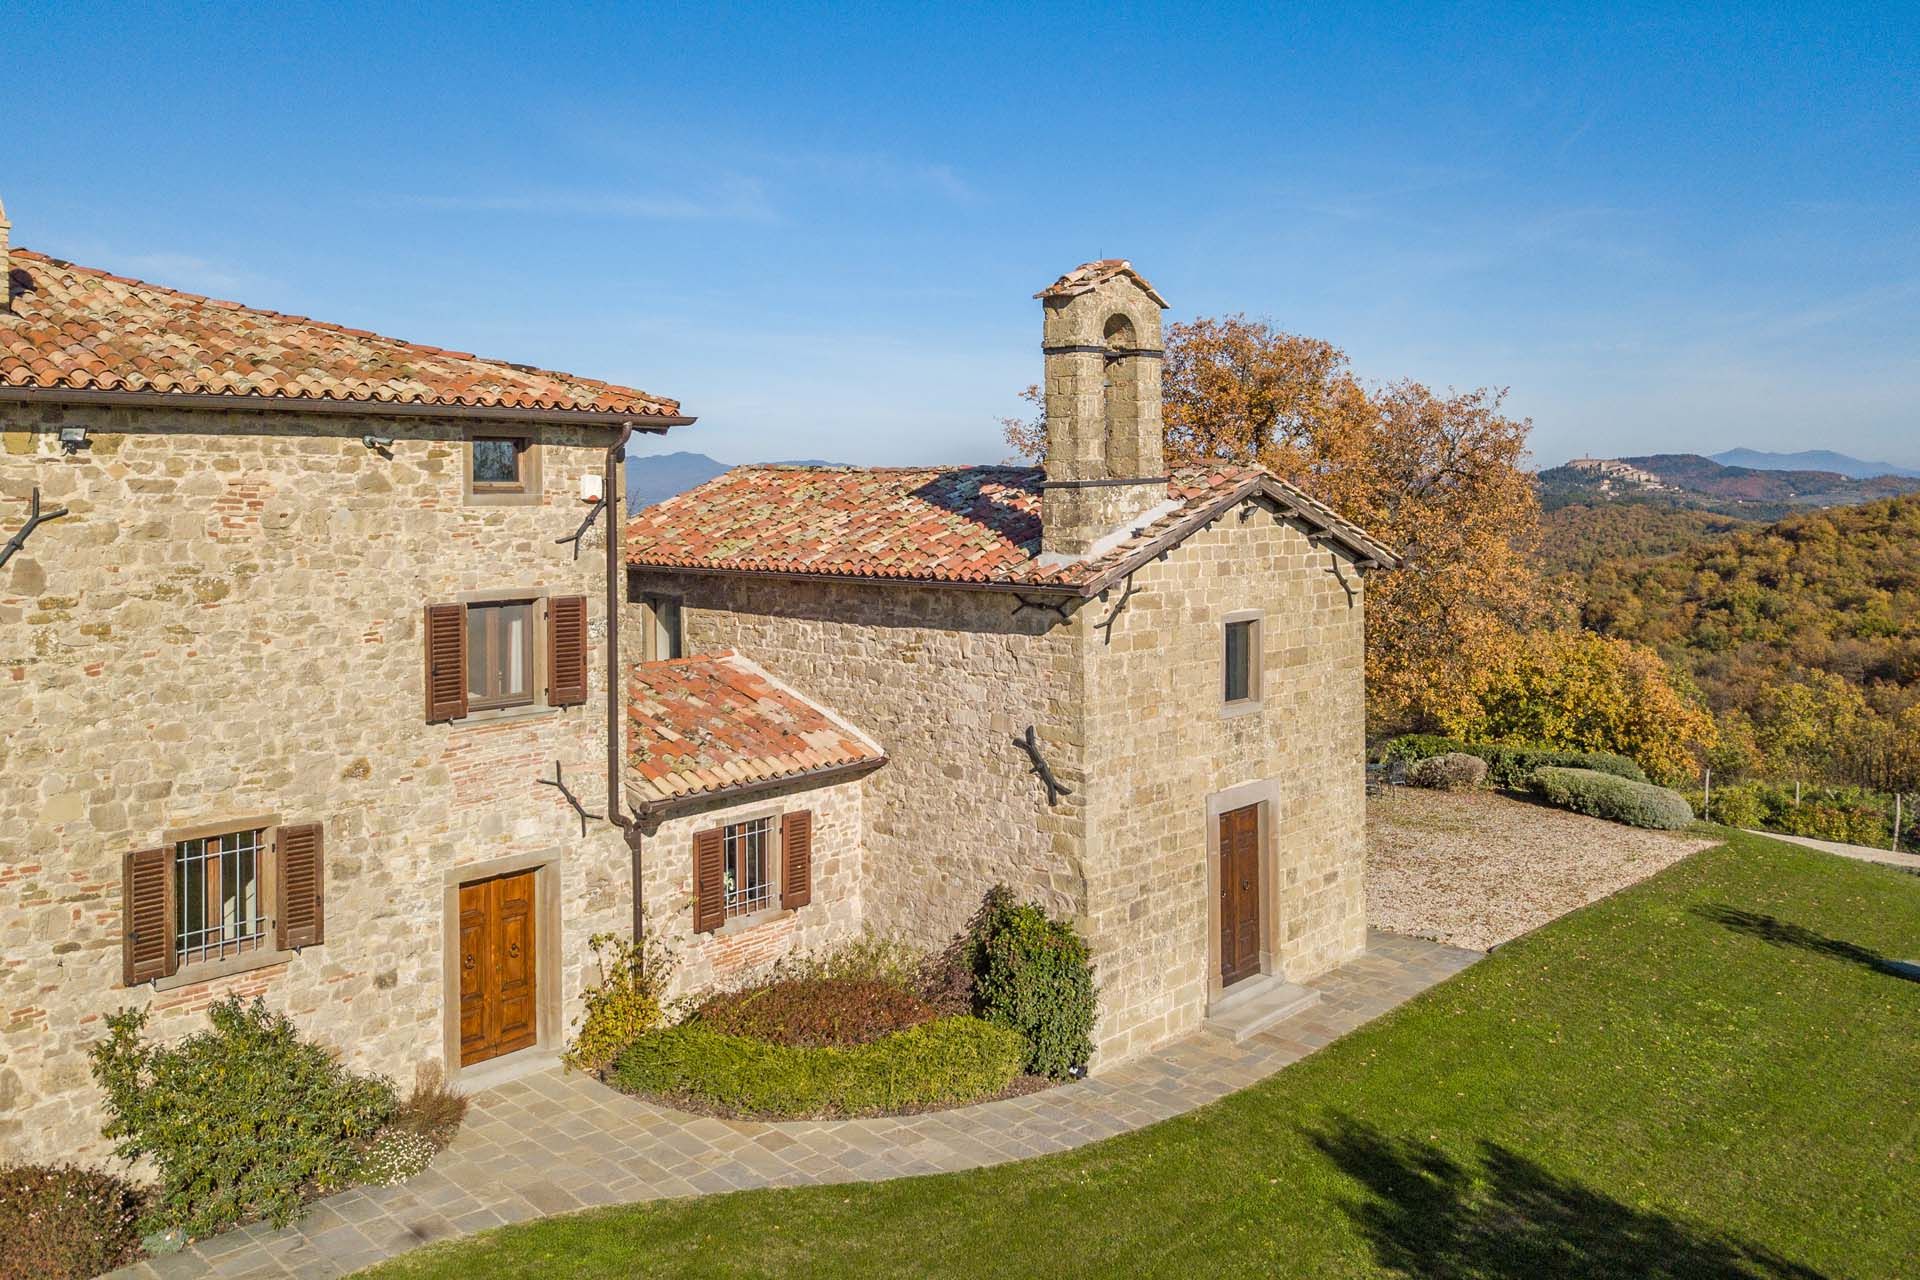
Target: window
(502, 469)
(219, 892)
(749, 871)
(499, 655)
(1242, 660)
(662, 627)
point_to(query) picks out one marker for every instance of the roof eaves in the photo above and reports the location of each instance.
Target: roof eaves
(647, 806)
(251, 402)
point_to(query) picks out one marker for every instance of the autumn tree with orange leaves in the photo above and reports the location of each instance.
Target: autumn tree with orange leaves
(1438, 477)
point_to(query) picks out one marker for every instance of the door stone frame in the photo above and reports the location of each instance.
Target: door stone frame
(1263, 795)
(545, 866)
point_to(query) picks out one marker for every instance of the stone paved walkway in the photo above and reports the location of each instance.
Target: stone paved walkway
(553, 1142)
(1858, 852)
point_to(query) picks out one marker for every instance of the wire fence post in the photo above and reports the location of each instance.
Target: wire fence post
(1706, 801)
(1898, 798)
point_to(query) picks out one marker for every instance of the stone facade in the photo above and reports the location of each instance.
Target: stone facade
(228, 624)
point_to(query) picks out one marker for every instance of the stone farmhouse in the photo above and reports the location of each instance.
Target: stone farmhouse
(328, 674)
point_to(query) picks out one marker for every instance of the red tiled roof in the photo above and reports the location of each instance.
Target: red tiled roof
(976, 525)
(75, 328)
(716, 722)
(1088, 275)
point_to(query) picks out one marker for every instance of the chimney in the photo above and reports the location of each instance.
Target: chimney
(6, 262)
(1105, 463)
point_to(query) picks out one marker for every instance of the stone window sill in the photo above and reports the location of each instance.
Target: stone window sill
(746, 924)
(1244, 707)
(211, 970)
(532, 711)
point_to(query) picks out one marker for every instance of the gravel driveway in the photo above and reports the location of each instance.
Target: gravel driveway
(1475, 869)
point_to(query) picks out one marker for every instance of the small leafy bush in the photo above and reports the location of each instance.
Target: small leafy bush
(1850, 815)
(1454, 771)
(871, 957)
(62, 1222)
(433, 1111)
(815, 1012)
(628, 1001)
(242, 1120)
(947, 1062)
(1602, 795)
(1508, 766)
(396, 1155)
(1035, 976)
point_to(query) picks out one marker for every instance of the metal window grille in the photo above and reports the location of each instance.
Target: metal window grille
(749, 848)
(222, 907)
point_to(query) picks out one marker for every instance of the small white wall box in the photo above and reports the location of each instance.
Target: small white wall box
(592, 488)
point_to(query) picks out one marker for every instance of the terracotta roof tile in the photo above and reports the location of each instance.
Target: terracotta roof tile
(1089, 275)
(716, 722)
(970, 525)
(79, 328)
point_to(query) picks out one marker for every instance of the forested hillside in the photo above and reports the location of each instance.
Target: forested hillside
(1804, 635)
(1582, 536)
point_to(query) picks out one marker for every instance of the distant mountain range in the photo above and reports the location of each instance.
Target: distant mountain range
(659, 476)
(1690, 480)
(1811, 460)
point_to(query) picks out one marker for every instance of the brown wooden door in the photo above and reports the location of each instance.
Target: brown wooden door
(498, 1005)
(1239, 894)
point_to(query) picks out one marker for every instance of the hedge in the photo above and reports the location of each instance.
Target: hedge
(1602, 795)
(944, 1063)
(1454, 771)
(62, 1222)
(1850, 815)
(1508, 766)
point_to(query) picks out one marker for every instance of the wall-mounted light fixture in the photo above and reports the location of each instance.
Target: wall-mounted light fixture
(382, 443)
(73, 439)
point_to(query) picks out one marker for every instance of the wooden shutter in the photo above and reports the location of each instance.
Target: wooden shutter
(566, 651)
(709, 880)
(446, 662)
(301, 883)
(146, 901)
(796, 859)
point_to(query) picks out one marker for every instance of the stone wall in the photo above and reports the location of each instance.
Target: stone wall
(227, 624)
(943, 680)
(746, 947)
(1160, 742)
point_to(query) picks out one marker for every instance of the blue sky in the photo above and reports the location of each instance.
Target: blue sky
(820, 227)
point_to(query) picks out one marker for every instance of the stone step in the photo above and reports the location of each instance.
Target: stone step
(1256, 1005)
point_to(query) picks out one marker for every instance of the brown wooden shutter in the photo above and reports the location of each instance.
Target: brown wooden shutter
(566, 651)
(146, 900)
(709, 880)
(301, 884)
(796, 859)
(446, 662)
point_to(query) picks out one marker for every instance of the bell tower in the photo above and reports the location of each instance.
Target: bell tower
(1105, 462)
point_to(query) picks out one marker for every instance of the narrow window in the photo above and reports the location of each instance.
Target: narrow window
(218, 888)
(499, 464)
(499, 655)
(662, 639)
(1242, 643)
(749, 866)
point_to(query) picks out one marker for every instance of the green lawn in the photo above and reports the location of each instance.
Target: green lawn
(1710, 1075)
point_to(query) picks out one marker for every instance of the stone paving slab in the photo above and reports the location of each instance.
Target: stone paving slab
(556, 1142)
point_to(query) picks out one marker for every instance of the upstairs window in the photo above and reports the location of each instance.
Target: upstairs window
(502, 470)
(1242, 662)
(499, 655)
(661, 640)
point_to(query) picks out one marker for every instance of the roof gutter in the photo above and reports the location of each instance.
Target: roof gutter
(216, 402)
(806, 777)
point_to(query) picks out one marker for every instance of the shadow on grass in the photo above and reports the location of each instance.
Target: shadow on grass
(1780, 933)
(1507, 1218)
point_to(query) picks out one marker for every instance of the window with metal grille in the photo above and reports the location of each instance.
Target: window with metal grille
(749, 866)
(220, 891)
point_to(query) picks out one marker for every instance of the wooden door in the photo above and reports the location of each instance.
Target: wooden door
(498, 982)
(1239, 894)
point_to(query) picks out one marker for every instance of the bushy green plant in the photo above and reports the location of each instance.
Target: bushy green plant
(815, 1012)
(242, 1120)
(62, 1222)
(947, 1062)
(1035, 975)
(1849, 815)
(871, 957)
(1511, 767)
(1603, 795)
(434, 1110)
(627, 1002)
(1454, 771)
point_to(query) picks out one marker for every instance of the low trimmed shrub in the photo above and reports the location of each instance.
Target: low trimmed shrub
(1850, 815)
(1510, 767)
(1035, 976)
(627, 1002)
(871, 957)
(1454, 771)
(242, 1120)
(62, 1222)
(815, 1012)
(1603, 795)
(943, 1063)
